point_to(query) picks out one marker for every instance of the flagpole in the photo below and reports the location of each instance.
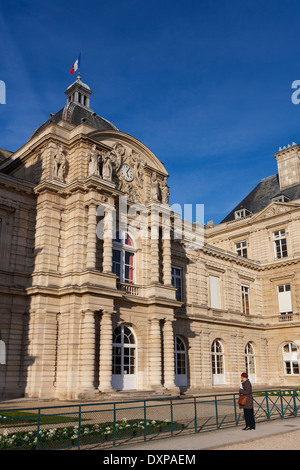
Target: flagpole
(79, 62)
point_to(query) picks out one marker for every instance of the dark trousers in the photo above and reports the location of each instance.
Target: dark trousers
(249, 418)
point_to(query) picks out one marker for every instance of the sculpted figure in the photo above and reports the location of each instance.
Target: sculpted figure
(107, 168)
(59, 163)
(117, 155)
(154, 187)
(138, 167)
(94, 161)
(165, 193)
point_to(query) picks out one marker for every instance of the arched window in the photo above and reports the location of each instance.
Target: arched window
(250, 362)
(180, 363)
(290, 359)
(217, 360)
(2, 352)
(123, 264)
(124, 359)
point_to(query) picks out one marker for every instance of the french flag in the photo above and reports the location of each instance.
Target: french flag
(75, 66)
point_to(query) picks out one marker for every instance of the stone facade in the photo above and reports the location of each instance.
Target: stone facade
(85, 313)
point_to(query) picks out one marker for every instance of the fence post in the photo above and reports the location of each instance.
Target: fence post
(267, 405)
(216, 409)
(79, 425)
(195, 417)
(172, 427)
(295, 403)
(114, 425)
(38, 430)
(145, 421)
(235, 413)
(281, 404)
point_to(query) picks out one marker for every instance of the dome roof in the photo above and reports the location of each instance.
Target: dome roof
(77, 110)
(76, 114)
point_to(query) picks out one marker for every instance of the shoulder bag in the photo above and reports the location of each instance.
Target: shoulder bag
(242, 400)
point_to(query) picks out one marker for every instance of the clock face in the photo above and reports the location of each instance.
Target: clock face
(127, 173)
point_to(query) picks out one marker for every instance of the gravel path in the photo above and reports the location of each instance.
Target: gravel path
(286, 441)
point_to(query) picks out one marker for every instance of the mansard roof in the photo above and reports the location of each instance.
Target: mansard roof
(261, 196)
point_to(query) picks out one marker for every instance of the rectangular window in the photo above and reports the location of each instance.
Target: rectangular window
(291, 367)
(241, 249)
(214, 291)
(129, 267)
(280, 245)
(284, 299)
(177, 282)
(116, 263)
(245, 300)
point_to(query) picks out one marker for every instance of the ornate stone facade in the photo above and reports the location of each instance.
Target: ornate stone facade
(86, 310)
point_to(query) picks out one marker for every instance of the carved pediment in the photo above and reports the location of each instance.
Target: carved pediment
(274, 209)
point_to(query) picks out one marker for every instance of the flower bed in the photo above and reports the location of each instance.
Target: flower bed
(70, 436)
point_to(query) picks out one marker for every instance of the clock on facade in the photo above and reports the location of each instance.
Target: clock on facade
(127, 172)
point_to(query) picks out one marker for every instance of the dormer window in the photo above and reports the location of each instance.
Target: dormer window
(241, 213)
(280, 198)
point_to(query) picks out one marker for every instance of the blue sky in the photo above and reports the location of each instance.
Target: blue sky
(206, 85)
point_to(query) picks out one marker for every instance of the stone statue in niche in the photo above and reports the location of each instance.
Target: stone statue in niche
(165, 193)
(138, 168)
(154, 187)
(94, 160)
(107, 168)
(59, 163)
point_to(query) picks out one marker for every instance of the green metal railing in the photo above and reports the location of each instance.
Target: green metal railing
(106, 425)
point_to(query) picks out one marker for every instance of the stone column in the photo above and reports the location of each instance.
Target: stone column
(87, 354)
(91, 247)
(154, 245)
(105, 360)
(154, 348)
(169, 360)
(108, 242)
(167, 269)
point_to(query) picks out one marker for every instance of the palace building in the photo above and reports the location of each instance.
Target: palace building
(104, 289)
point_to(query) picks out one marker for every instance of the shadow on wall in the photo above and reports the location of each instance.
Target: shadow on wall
(17, 261)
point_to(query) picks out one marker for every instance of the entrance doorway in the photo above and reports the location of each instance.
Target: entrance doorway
(124, 373)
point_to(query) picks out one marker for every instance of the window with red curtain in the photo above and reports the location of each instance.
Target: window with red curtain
(123, 258)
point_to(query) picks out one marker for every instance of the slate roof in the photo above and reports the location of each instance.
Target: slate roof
(261, 196)
(76, 114)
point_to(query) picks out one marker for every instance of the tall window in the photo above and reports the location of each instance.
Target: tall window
(124, 258)
(2, 352)
(284, 299)
(250, 359)
(241, 248)
(214, 291)
(245, 300)
(177, 282)
(180, 363)
(290, 359)
(124, 359)
(217, 358)
(123, 351)
(280, 245)
(180, 357)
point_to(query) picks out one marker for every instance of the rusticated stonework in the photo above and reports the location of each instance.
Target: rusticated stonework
(86, 311)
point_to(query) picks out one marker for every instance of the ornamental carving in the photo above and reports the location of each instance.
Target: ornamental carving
(126, 169)
(59, 163)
